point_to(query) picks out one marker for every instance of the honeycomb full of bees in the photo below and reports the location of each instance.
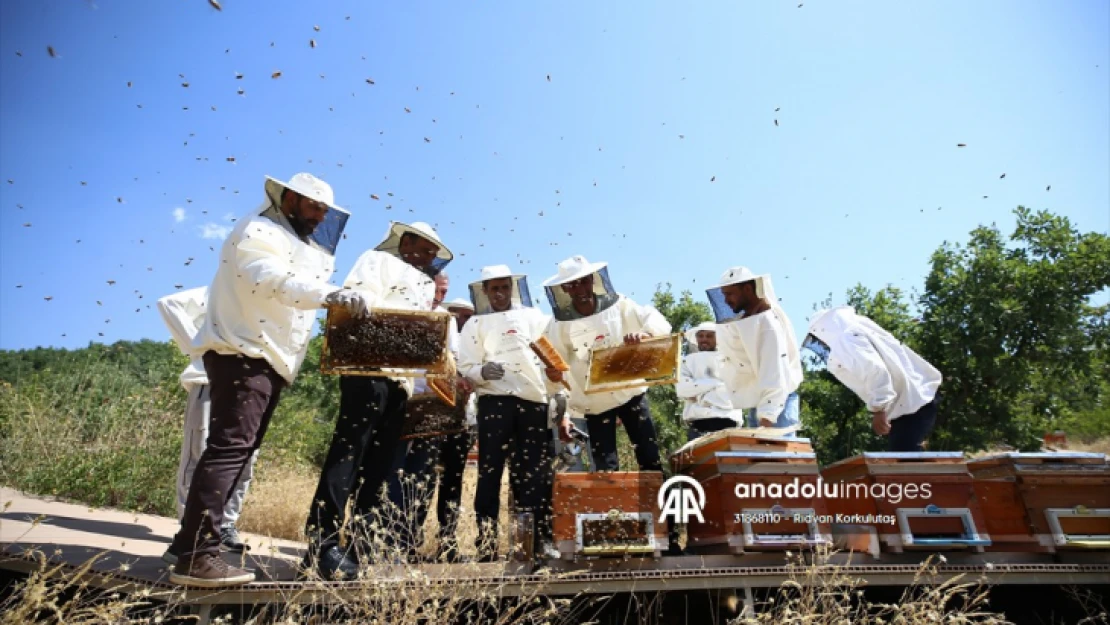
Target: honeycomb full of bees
(398, 340)
(427, 416)
(652, 361)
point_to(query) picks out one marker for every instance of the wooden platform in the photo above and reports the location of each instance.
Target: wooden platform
(129, 547)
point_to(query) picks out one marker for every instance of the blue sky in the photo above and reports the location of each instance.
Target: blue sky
(646, 103)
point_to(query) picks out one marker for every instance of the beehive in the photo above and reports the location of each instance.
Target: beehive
(407, 343)
(756, 495)
(608, 514)
(650, 362)
(1044, 501)
(911, 500)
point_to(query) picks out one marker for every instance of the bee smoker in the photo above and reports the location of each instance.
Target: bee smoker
(572, 451)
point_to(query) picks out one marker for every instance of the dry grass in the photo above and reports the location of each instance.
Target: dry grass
(1101, 446)
(278, 502)
(819, 593)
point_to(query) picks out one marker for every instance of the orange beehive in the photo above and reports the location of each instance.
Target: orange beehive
(911, 500)
(1044, 501)
(760, 493)
(610, 513)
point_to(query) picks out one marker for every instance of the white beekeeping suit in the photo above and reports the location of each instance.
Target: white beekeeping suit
(574, 335)
(386, 281)
(183, 314)
(883, 372)
(504, 337)
(700, 385)
(762, 362)
(265, 296)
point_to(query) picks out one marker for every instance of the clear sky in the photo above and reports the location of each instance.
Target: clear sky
(653, 145)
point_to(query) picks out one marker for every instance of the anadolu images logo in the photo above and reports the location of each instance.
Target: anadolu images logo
(679, 503)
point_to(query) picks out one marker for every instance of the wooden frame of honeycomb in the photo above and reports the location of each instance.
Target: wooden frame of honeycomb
(651, 362)
(390, 343)
(550, 356)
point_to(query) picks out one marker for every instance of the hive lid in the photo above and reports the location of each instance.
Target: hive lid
(895, 457)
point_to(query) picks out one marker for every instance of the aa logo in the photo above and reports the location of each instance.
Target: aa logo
(678, 503)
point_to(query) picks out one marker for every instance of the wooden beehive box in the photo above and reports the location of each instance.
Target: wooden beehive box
(1044, 501)
(760, 493)
(912, 500)
(608, 514)
(701, 450)
(650, 362)
(393, 343)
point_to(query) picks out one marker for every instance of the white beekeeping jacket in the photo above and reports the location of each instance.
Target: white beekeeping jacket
(761, 365)
(267, 291)
(389, 282)
(184, 316)
(504, 337)
(703, 391)
(576, 337)
(877, 367)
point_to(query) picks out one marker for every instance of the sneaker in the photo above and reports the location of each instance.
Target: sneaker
(230, 541)
(331, 564)
(209, 571)
(170, 556)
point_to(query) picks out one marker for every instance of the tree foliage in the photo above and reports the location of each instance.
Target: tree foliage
(1009, 323)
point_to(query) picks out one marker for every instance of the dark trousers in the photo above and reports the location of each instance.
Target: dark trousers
(371, 415)
(516, 430)
(636, 417)
(908, 432)
(700, 427)
(412, 482)
(243, 392)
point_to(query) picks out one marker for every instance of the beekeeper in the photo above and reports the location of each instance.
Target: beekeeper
(708, 404)
(396, 275)
(271, 280)
(589, 314)
(512, 394)
(762, 362)
(899, 387)
(183, 314)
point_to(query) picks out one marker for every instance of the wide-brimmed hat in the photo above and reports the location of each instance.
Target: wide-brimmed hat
(328, 232)
(739, 274)
(392, 241)
(572, 269)
(692, 334)
(304, 184)
(459, 302)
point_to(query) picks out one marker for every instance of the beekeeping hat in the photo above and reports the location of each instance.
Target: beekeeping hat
(327, 234)
(575, 268)
(459, 302)
(391, 244)
(738, 275)
(520, 297)
(763, 289)
(692, 334)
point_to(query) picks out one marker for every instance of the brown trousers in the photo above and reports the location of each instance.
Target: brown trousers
(244, 392)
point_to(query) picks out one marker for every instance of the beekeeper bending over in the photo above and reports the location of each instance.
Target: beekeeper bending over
(708, 404)
(396, 275)
(512, 404)
(898, 386)
(271, 280)
(183, 314)
(762, 362)
(590, 314)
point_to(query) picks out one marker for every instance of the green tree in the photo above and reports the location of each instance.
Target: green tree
(1011, 326)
